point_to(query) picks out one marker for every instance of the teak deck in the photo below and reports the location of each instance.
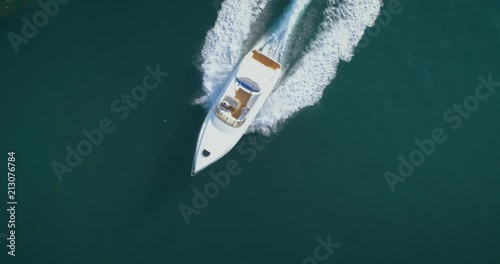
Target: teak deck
(265, 60)
(243, 98)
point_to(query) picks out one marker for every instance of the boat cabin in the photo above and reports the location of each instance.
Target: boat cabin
(255, 73)
(235, 105)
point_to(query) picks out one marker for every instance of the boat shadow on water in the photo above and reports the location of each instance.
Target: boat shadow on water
(172, 173)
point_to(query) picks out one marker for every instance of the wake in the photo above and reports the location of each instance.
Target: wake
(240, 27)
(274, 43)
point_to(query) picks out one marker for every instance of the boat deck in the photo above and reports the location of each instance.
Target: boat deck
(265, 60)
(243, 97)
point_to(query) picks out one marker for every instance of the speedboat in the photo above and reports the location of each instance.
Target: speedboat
(244, 94)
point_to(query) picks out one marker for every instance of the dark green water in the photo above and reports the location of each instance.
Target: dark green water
(321, 175)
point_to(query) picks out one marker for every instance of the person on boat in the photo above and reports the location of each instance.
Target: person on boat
(244, 113)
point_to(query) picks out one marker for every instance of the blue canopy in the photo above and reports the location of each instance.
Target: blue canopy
(247, 86)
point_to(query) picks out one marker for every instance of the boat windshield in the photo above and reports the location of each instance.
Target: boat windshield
(248, 84)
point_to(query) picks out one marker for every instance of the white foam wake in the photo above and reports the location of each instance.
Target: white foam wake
(339, 33)
(227, 42)
(274, 43)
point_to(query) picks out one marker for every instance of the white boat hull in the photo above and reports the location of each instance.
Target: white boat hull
(221, 130)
